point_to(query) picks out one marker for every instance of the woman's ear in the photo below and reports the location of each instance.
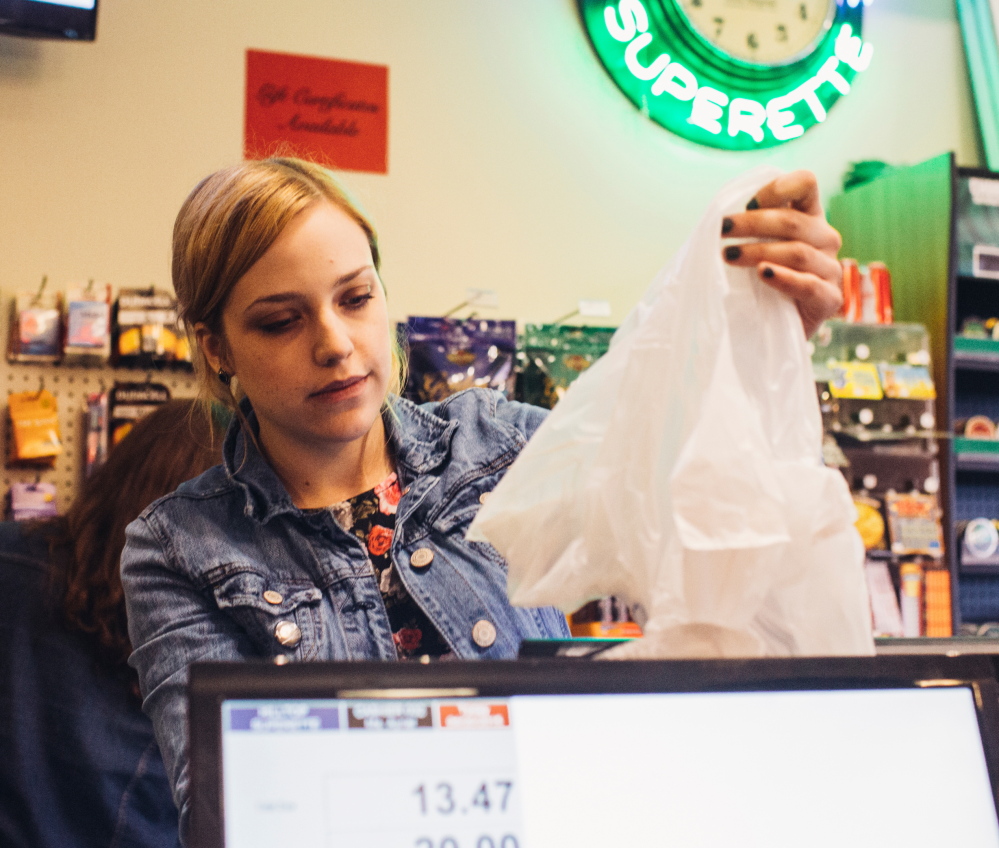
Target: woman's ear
(212, 346)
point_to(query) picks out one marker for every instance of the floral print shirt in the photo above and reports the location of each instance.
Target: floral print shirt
(370, 516)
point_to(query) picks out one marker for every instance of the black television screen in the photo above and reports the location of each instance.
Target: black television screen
(74, 19)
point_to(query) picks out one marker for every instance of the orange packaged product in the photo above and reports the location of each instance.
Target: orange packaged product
(937, 619)
(34, 418)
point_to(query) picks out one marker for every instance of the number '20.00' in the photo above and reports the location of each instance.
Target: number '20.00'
(506, 841)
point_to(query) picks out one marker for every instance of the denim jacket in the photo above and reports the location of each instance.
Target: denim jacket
(227, 567)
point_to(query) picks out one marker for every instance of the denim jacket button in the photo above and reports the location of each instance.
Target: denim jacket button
(421, 558)
(287, 633)
(483, 633)
(484, 497)
(273, 597)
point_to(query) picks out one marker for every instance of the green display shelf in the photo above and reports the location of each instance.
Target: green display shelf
(963, 446)
(985, 347)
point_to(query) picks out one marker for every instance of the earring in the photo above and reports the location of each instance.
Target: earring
(224, 377)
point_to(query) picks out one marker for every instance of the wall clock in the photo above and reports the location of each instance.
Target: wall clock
(734, 74)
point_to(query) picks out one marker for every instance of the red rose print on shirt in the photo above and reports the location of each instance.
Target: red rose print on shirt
(388, 495)
(408, 638)
(379, 540)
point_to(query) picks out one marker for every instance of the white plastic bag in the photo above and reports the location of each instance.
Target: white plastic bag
(682, 473)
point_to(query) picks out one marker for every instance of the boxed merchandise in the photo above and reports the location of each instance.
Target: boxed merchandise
(914, 523)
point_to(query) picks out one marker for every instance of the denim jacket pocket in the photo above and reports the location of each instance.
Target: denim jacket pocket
(279, 615)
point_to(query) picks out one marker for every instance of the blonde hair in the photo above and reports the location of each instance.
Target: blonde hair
(227, 223)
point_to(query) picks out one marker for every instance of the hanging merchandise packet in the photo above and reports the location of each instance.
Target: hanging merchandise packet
(147, 330)
(553, 356)
(35, 327)
(130, 402)
(683, 473)
(34, 419)
(31, 501)
(88, 324)
(447, 355)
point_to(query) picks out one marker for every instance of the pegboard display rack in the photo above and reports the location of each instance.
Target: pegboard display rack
(70, 384)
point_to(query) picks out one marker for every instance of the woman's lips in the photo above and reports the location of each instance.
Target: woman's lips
(340, 389)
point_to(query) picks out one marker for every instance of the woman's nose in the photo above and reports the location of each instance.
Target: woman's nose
(333, 342)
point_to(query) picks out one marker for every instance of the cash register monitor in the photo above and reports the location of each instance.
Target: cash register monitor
(541, 753)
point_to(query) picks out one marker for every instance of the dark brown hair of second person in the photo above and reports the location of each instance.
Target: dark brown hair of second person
(174, 443)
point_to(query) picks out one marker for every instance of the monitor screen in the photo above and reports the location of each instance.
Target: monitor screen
(65, 19)
(824, 767)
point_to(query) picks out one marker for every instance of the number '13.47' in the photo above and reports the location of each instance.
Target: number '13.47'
(442, 799)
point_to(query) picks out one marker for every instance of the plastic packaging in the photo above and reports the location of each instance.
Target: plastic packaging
(682, 472)
(447, 355)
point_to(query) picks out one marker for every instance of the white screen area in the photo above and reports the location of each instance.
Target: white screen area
(780, 769)
(76, 4)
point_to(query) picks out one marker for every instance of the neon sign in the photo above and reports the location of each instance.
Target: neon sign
(681, 80)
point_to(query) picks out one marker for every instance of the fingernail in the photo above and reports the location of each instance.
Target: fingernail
(753, 204)
(727, 224)
(768, 272)
(732, 253)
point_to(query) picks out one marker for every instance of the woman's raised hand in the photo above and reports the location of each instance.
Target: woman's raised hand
(798, 254)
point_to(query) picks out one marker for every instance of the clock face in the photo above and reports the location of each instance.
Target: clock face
(761, 32)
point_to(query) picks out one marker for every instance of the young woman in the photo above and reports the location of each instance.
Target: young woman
(78, 762)
(335, 527)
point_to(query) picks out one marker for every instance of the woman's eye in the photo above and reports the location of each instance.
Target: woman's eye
(357, 299)
(278, 326)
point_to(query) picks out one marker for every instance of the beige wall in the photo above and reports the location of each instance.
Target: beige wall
(514, 162)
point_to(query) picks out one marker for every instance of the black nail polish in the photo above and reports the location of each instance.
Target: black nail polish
(753, 204)
(727, 224)
(768, 272)
(732, 253)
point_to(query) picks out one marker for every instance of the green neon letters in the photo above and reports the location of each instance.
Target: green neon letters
(685, 84)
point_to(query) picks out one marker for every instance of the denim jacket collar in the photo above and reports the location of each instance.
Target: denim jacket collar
(419, 441)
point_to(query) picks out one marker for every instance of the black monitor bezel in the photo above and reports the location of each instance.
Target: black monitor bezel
(213, 683)
(48, 20)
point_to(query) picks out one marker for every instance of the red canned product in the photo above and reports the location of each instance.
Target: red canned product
(881, 281)
(852, 292)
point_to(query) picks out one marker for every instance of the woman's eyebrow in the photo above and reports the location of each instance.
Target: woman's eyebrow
(286, 297)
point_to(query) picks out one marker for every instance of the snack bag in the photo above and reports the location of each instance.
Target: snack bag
(553, 356)
(699, 496)
(447, 355)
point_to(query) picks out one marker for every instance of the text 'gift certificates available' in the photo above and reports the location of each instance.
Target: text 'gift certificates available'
(328, 111)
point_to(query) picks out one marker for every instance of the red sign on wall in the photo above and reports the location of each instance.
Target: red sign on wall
(327, 111)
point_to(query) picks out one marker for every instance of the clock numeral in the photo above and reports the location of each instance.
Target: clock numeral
(696, 3)
(719, 23)
(803, 11)
(752, 41)
(781, 32)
